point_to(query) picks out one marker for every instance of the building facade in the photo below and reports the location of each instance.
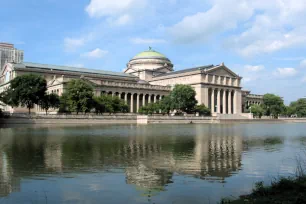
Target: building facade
(148, 77)
(9, 54)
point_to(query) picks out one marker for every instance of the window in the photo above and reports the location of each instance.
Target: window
(7, 76)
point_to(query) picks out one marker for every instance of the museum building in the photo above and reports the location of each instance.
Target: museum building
(148, 77)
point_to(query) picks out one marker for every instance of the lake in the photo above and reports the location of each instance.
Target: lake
(192, 163)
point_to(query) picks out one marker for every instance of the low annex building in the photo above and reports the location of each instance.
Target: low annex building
(148, 77)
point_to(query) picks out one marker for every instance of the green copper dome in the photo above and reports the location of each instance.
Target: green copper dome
(150, 54)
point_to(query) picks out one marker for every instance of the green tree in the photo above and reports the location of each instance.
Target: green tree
(119, 105)
(202, 110)
(165, 105)
(273, 105)
(149, 109)
(183, 98)
(98, 105)
(26, 91)
(64, 105)
(49, 101)
(107, 101)
(79, 95)
(257, 110)
(109, 104)
(301, 108)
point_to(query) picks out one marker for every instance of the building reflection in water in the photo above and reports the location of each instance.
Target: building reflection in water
(148, 158)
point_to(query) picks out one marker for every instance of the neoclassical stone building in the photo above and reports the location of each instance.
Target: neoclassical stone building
(148, 77)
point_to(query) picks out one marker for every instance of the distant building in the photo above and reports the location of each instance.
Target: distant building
(9, 54)
(148, 77)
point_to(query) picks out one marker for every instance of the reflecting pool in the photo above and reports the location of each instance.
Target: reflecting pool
(192, 163)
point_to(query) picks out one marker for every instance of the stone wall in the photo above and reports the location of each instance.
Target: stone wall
(104, 119)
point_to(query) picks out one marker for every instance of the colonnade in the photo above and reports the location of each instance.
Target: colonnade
(136, 100)
(224, 101)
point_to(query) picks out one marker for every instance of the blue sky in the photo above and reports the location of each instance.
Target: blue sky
(263, 41)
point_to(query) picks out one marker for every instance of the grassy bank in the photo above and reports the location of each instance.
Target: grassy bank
(285, 191)
(290, 190)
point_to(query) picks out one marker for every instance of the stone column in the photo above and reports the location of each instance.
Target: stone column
(149, 99)
(155, 98)
(212, 100)
(229, 102)
(143, 100)
(113, 94)
(132, 103)
(206, 96)
(137, 103)
(235, 102)
(224, 102)
(214, 79)
(125, 98)
(218, 101)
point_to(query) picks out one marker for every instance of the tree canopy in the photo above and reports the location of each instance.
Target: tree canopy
(297, 108)
(273, 105)
(257, 110)
(202, 110)
(109, 104)
(79, 96)
(26, 91)
(49, 101)
(183, 98)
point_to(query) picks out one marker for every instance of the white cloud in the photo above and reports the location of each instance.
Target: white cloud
(123, 20)
(222, 16)
(303, 63)
(276, 27)
(254, 68)
(147, 41)
(96, 53)
(260, 26)
(285, 72)
(119, 11)
(71, 44)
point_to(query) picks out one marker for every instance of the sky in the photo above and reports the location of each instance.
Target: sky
(264, 41)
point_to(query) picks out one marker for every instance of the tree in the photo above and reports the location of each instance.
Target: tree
(26, 90)
(119, 105)
(273, 105)
(301, 108)
(109, 104)
(64, 105)
(149, 109)
(257, 110)
(202, 110)
(79, 96)
(98, 105)
(165, 105)
(183, 98)
(49, 101)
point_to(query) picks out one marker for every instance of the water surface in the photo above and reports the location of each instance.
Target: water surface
(192, 163)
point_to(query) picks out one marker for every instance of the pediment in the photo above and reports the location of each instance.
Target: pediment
(54, 82)
(6, 68)
(222, 71)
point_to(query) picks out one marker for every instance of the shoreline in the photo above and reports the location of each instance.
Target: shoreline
(137, 119)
